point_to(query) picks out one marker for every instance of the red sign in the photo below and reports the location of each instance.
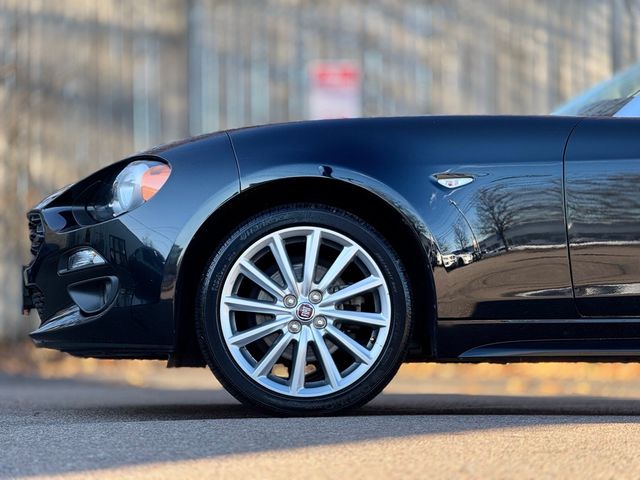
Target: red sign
(336, 74)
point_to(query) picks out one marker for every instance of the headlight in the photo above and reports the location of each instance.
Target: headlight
(137, 183)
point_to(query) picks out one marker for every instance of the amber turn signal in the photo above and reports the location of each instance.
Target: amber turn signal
(153, 180)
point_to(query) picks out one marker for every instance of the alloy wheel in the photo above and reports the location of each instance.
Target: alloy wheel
(305, 311)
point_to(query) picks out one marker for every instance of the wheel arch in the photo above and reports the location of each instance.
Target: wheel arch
(384, 214)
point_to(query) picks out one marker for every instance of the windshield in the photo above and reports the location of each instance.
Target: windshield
(607, 98)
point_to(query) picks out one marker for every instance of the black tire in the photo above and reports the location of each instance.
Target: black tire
(212, 341)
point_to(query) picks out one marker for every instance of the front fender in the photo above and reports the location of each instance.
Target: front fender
(515, 271)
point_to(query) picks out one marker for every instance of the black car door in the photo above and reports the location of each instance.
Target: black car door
(602, 190)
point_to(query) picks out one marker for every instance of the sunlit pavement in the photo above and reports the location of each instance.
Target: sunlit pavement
(85, 429)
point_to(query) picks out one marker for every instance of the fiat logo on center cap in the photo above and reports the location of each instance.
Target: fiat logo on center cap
(305, 311)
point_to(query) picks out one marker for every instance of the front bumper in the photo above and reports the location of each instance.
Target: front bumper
(111, 310)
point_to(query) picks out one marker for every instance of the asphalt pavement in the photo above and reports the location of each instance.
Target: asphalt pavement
(86, 429)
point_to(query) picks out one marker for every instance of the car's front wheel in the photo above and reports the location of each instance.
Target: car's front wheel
(304, 309)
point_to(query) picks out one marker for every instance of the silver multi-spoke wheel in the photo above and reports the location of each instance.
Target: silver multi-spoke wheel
(305, 311)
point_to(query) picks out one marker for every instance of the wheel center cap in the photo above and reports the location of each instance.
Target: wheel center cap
(305, 311)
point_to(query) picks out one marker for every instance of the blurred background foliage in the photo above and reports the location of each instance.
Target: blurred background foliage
(84, 83)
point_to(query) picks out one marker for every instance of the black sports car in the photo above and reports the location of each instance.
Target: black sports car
(304, 262)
